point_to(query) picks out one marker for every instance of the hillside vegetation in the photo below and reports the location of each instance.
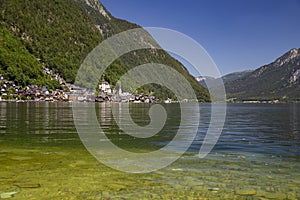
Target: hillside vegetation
(59, 34)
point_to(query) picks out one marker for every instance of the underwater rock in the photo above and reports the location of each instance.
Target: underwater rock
(20, 158)
(291, 195)
(177, 169)
(28, 185)
(214, 189)
(7, 195)
(245, 192)
(270, 189)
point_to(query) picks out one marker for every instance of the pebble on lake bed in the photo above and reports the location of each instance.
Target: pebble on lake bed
(214, 189)
(245, 192)
(7, 195)
(177, 169)
(28, 185)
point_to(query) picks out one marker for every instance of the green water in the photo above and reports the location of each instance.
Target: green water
(257, 157)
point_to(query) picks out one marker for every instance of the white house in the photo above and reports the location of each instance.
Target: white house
(105, 87)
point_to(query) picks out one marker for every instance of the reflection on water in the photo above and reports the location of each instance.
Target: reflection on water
(36, 118)
(294, 124)
(257, 156)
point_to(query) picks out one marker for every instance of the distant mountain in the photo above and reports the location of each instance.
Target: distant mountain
(227, 78)
(59, 34)
(204, 80)
(277, 80)
(235, 75)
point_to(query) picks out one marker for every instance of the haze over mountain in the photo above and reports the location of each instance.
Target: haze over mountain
(59, 35)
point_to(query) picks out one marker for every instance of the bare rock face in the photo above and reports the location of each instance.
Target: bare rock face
(95, 4)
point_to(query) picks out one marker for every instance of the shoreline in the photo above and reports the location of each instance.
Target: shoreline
(113, 102)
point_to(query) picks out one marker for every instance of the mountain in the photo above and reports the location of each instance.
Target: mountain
(203, 80)
(59, 34)
(102, 19)
(56, 33)
(277, 80)
(109, 25)
(235, 75)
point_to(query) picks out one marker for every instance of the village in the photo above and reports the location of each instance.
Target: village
(9, 91)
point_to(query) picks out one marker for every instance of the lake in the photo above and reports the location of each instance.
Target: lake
(256, 157)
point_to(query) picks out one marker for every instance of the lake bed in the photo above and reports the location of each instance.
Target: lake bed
(257, 156)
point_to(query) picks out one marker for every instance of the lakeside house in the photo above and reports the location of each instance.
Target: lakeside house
(104, 87)
(107, 93)
(10, 91)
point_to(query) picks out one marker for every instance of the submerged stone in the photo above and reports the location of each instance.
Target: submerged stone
(28, 185)
(245, 192)
(214, 189)
(21, 158)
(7, 195)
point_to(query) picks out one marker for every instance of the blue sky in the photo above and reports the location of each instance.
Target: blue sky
(238, 34)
